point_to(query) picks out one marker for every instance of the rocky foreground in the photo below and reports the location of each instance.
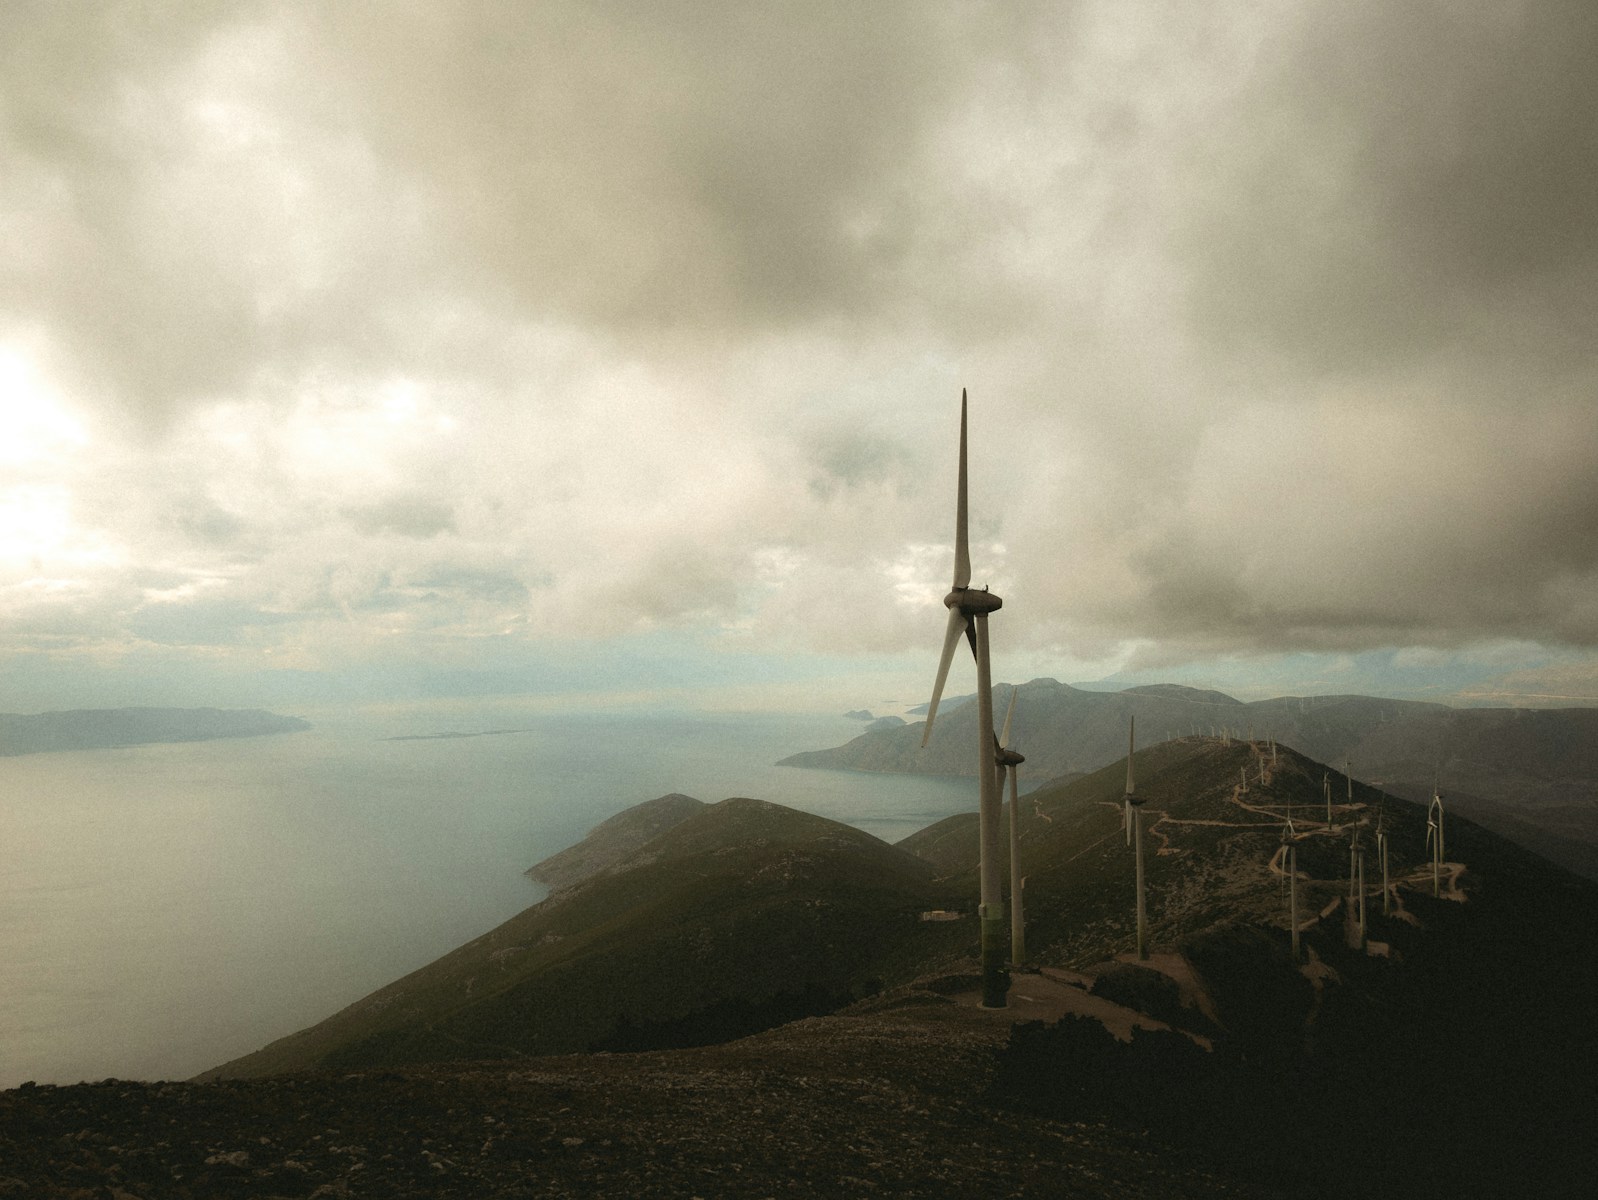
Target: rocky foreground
(899, 1102)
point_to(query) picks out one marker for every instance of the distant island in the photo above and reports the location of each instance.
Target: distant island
(430, 737)
(103, 728)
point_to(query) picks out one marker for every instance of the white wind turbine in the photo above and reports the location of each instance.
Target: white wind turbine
(1009, 763)
(1434, 837)
(1132, 818)
(1356, 851)
(1359, 859)
(968, 616)
(1290, 866)
(1381, 854)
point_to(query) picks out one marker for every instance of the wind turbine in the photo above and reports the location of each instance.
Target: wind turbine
(1326, 790)
(1361, 858)
(1381, 853)
(968, 615)
(1290, 865)
(1356, 880)
(1132, 808)
(1009, 763)
(1434, 836)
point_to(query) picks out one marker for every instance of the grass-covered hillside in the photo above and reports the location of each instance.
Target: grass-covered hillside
(613, 841)
(1213, 815)
(740, 917)
(1531, 775)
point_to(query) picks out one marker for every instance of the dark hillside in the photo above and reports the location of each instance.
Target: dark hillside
(612, 841)
(1530, 774)
(744, 915)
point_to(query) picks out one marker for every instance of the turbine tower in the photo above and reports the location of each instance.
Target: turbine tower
(1132, 808)
(1381, 853)
(968, 615)
(1434, 836)
(1356, 881)
(1290, 865)
(1009, 763)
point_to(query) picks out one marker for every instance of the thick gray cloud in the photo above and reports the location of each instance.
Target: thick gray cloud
(1405, 180)
(339, 332)
(703, 166)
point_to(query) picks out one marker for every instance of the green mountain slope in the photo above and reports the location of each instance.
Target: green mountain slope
(610, 843)
(1210, 847)
(1530, 774)
(744, 915)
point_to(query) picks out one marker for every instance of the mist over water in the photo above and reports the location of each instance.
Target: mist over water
(165, 908)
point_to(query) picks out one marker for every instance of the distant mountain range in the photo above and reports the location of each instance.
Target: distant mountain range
(681, 924)
(1531, 774)
(100, 728)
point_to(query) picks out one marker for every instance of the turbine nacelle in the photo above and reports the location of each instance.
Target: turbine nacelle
(972, 602)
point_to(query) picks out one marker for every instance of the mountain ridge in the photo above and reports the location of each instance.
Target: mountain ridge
(740, 915)
(1514, 769)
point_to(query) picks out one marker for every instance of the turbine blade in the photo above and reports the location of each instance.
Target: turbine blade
(957, 624)
(1004, 737)
(971, 638)
(962, 544)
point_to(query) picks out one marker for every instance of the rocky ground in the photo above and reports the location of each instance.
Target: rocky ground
(894, 1102)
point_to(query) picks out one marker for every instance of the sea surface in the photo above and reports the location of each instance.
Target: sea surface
(166, 908)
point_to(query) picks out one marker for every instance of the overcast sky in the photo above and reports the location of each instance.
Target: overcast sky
(617, 348)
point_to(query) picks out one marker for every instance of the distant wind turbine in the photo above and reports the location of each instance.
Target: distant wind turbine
(1381, 854)
(1326, 790)
(1356, 880)
(1360, 857)
(1009, 763)
(1434, 837)
(1132, 807)
(1290, 866)
(968, 616)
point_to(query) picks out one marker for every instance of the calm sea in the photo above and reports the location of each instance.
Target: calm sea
(166, 908)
